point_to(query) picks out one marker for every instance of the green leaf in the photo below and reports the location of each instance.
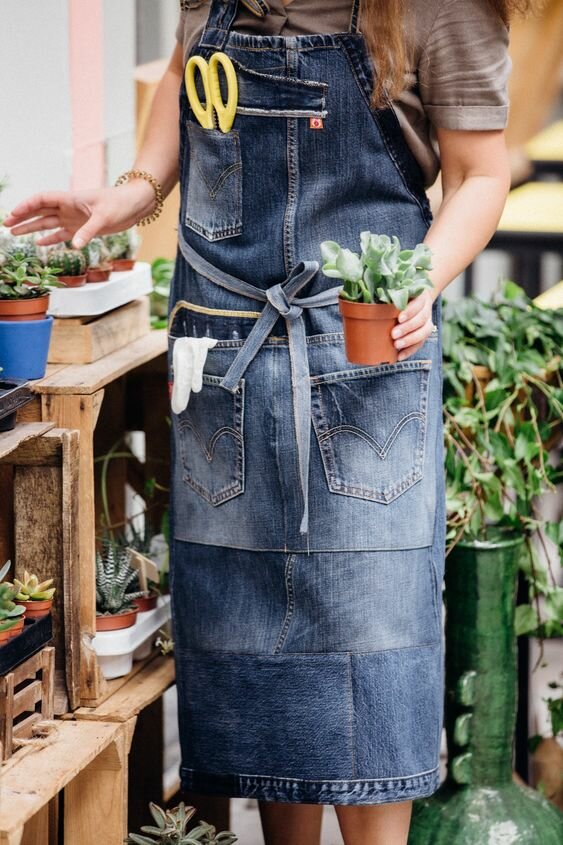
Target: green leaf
(526, 619)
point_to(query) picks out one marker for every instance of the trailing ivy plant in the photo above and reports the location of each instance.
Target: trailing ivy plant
(503, 407)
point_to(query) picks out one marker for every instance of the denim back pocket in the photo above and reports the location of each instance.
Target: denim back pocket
(214, 193)
(211, 441)
(370, 425)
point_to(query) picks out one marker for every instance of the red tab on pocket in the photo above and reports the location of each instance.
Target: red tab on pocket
(316, 123)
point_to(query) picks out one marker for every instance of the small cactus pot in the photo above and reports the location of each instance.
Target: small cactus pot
(73, 281)
(27, 308)
(367, 331)
(121, 264)
(98, 274)
(36, 609)
(147, 602)
(116, 621)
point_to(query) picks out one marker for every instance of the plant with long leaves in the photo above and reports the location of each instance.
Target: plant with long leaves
(114, 577)
(171, 829)
(383, 272)
(503, 407)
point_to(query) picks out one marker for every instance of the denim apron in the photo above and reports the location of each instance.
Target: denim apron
(307, 499)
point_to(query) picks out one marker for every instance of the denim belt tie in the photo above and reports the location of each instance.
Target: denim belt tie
(279, 301)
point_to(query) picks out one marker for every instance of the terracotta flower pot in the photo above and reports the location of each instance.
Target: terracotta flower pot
(117, 620)
(367, 332)
(98, 274)
(121, 264)
(72, 281)
(5, 637)
(18, 627)
(145, 603)
(27, 308)
(36, 609)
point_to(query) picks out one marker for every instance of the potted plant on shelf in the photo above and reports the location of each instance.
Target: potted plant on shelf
(11, 614)
(25, 328)
(98, 265)
(34, 595)
(115, 607)
(122, 248)
(171, 828)
(378, 284)
(71, 264)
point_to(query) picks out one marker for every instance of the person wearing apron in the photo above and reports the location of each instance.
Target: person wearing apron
(307, 492)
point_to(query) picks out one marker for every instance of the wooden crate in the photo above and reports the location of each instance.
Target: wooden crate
(82, 340)
(26, 697)
(85, 760)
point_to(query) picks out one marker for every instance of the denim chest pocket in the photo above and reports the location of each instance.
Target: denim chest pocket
(214, 193)
(211, 441)
(370, 424)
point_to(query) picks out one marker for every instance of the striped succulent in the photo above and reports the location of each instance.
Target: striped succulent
(71, 261)
(114, 577)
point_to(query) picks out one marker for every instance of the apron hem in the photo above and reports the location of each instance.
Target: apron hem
(298, 791)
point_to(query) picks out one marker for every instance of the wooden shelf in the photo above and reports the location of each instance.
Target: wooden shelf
(10, 440)
(89, 378)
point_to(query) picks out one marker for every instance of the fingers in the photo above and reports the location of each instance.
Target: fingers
(410, 351)
(37, 225)
(91, 228)
(54, 238)
(415, 338)
(33, 206)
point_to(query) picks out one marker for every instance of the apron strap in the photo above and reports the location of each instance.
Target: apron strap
(222, 14)
(354, 17)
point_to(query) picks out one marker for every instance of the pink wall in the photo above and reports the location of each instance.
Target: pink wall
(87, 90)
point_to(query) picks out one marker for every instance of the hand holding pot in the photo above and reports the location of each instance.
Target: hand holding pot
(415, 325)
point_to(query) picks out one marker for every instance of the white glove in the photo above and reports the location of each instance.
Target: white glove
(188, 361)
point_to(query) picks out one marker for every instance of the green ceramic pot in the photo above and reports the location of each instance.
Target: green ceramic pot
(478, 803)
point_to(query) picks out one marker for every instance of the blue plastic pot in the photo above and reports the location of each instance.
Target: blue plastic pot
(24, 347)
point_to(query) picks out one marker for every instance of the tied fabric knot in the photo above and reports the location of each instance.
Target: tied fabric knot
(278, 298)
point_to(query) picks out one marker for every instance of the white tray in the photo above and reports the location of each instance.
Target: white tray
(96, 298)
(117, 649)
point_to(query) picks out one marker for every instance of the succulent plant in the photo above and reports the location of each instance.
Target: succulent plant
(382, 273)
(23, 246)
(32, 589)
(114, 577)
(171, 829)
(122, 244)
(10, 612)
(22, 277)
(70, 261)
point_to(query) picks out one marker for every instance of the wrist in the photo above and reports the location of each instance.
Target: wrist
(148, 194)
(140, 196)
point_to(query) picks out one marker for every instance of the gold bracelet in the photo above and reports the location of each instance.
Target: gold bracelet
(148, 177)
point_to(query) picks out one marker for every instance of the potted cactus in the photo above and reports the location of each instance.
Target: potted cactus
(171, 828)
(122, 247)
(11, 614)
(378, 284)
(34, 595)
(115, 607)
(72, 266)
(98, 265)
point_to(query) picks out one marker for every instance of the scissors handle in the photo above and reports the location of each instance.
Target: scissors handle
(204, 115)
(225, 111)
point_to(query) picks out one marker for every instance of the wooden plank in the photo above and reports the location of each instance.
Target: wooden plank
(71, 529)
(26, 698)
(10, 440)
(84, 340)
(89, 378)
(81, 412)
(39, 451)
(145, 782)
(139, 692)
(36, 831)
(33, 776)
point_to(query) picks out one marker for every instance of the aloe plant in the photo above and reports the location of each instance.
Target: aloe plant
(381, 273)
(114, 577)
(171, 829)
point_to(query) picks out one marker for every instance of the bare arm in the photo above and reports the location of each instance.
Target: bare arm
(81, 215)
(475, 180)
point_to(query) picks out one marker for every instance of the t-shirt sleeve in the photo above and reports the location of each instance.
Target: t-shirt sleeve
(464, 67)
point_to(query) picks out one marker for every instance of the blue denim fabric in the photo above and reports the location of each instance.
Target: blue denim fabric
(308, 512)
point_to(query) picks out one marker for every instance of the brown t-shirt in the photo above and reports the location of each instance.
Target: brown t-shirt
(461, 63)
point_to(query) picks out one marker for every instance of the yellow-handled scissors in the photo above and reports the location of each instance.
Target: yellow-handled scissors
(212, 89)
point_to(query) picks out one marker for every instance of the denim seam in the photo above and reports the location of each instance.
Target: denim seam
(352, 711)
(375, 370)
(381, 450)
(290, 594)
(290, 655)
(344, 781)
(287, 550)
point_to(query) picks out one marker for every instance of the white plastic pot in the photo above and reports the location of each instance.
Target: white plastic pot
(100, 297)
(116, 650)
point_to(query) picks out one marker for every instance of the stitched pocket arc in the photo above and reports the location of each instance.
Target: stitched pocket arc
(370, 425)
(211, 439)
(214, 193)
